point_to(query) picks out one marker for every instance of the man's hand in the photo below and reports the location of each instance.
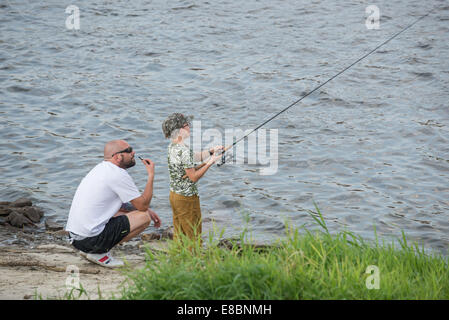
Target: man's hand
(149, 165)
(155, 218)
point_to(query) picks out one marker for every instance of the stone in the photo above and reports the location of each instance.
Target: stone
(5, 203)
(21, 202)
(60, 234)
(167, 234)
(227, 243)
(4, 210)
(235, 243)
(159, 235)
(31, 213)
(51, 225)
(18, 220)
(151, 236)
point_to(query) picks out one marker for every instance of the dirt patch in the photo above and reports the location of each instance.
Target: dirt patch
(46, 266)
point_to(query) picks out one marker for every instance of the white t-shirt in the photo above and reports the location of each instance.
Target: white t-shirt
(99, 196)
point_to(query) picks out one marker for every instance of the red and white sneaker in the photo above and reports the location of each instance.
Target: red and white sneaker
(104, 259)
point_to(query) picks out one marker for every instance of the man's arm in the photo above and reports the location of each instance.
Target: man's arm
(142, 203)
(127, 207)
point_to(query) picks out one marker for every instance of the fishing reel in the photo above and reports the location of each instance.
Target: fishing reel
(223, 159)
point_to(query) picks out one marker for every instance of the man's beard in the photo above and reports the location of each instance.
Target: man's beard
(129, 164)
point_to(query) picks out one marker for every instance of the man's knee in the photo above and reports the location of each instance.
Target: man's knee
(139, 219)
(147, 219)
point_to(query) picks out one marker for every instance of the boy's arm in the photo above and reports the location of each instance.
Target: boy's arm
(195, 174)
(203, 155)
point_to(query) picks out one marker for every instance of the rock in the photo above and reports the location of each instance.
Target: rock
(18, 220)
(227, 243)
(60, 234)
(151, 236)
(31, 213)
(167, 234)
(51, 225)
(235, 243)
(4, 211)
(21, 202)
(40, 211)
(159, 235)
(20, 212)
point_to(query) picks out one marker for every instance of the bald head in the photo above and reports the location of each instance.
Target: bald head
(114, 146)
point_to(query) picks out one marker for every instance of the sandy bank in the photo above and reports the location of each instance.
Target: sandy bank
(43, 266)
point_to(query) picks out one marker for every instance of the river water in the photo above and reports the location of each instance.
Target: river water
(371, 148)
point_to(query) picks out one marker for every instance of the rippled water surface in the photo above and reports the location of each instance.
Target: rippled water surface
(371, 148)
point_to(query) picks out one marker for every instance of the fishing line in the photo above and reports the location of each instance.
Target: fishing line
(223, 159)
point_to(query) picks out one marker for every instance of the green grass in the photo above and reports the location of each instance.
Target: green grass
(304, 265)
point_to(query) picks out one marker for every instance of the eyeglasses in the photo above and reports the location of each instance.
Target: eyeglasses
(127, 150)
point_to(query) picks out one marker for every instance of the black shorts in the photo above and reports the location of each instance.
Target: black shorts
(115, 230)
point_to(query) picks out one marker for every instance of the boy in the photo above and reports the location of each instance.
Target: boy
(184, 198)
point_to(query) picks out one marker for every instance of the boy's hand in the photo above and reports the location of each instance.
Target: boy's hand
(213, 158)
(215, 149)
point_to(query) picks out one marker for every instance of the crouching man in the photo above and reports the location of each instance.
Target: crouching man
(97, 219)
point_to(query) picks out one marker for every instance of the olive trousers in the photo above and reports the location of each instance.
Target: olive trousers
(186, 216)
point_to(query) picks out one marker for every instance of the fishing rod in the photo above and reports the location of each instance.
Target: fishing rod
(231, 146)
(223, 158)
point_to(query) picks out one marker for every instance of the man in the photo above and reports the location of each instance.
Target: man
(184, 198)
(97, 221)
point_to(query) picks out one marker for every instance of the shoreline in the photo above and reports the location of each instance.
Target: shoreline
(37, 265)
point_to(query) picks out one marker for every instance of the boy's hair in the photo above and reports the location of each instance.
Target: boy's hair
(175, 121)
